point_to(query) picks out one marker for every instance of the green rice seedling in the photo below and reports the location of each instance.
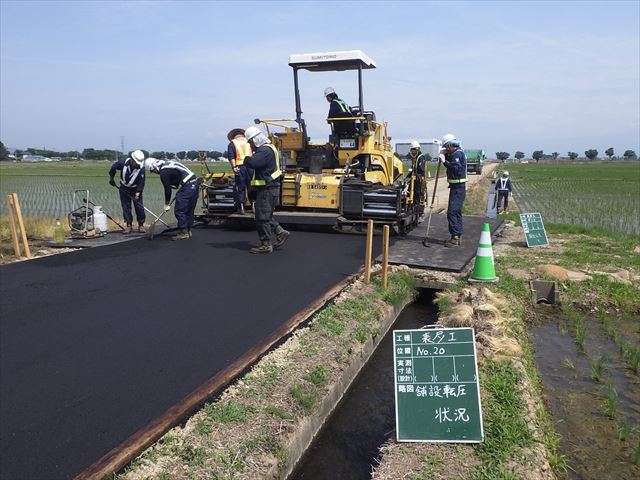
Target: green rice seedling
(568, 363)
(597, 367)
(624, 429)
(636, 456)
(611, 402)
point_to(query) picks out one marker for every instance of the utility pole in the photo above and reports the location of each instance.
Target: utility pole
(122, 144)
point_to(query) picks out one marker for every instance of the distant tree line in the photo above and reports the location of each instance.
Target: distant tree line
(105, 154)
(591, 154)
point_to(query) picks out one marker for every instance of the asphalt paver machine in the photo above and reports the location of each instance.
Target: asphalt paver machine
(344, 182)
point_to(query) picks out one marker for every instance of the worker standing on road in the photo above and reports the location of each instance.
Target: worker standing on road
(418, 165)
(339, 109)
(503, 187)
(177, 176)
(454, 160)
(237, 150)
(131, 187)
(265, 163)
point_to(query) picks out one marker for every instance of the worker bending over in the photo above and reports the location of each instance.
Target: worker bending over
(177, 176)
(265, 163)
(237, 150)
(503, 187)
(455, 161)
(131, 187)
(418, 165)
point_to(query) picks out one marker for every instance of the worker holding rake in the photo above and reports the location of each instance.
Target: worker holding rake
(131, 187)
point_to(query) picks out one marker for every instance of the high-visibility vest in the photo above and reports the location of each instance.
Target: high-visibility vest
(503, 184)
(243, 149)
(343, 106)
(255, 182)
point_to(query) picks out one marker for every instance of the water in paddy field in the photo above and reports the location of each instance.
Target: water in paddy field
(579, 404)
(347, 446)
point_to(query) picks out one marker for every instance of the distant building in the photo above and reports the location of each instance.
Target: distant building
(36, 158)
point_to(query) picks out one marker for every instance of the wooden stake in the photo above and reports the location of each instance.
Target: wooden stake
(12, 222)
(23, 232)
(367, 255)
(385, 254)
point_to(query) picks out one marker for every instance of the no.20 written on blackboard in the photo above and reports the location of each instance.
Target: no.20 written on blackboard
(437, 394)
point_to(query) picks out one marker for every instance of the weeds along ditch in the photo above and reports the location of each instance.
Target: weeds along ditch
(592, 194)
(590, 368)
(348, 444)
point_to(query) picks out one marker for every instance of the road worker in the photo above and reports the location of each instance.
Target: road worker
(503, 187)
(339, 109)
(237, 150)
(454, 160)
(177, 176)
(418, 165)
(265, 182)
(131, 187)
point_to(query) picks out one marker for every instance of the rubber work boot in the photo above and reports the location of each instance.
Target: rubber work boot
(454, 241)
(127, 230)
(189, 232)
(280, 239)
(265, 247)
(182, 235)
(241, 209)
(141, 229)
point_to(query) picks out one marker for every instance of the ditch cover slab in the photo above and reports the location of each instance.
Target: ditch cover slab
(408, 250)
(96, 343)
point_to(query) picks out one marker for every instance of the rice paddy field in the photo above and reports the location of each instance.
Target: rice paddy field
(595, 194)
(46, 190)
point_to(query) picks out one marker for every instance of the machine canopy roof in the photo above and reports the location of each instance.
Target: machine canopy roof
(331, 61)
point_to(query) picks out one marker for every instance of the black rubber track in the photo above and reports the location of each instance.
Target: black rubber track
(96, 343)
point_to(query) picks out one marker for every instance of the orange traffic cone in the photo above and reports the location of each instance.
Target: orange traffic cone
(484, 269)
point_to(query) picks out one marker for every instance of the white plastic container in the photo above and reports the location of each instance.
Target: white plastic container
(100, 219)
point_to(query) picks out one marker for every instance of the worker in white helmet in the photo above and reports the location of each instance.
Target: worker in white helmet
(131, 187)
(418, 165)
(503, 187)
(455, 161)
(265, 163)
(338, 109)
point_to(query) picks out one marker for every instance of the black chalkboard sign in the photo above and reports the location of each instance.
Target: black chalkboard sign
(534, 231)
(436, 386)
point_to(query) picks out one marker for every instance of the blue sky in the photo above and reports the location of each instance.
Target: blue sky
(503, 76)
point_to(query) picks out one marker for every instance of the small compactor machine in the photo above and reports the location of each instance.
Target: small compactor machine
(343, 182)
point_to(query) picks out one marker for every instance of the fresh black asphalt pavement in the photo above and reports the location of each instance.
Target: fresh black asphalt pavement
(96, 343)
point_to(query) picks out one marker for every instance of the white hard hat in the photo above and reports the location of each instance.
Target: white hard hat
(415, 144)
(138, 156)
(251, 132)
(329, 91)
(505, 174)
(153, 164)
(448, 138)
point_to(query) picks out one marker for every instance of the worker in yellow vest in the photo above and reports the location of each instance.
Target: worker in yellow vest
(237, 150)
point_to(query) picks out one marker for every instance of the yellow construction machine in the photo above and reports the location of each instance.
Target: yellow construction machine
(343, 182)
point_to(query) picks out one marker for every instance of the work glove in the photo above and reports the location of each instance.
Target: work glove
(167, 208)
(441, 158)
(112, 182)
(137, 195)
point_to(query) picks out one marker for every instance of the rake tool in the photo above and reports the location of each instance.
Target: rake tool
(151, 227)
(433, 199)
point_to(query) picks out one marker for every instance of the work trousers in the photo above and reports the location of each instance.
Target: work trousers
(457, 195)
(503, 196)
(241, 182)
(420, 193)
(186, 201)
(128, 195)
(267, 199)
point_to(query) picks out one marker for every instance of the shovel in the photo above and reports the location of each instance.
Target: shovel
(433, 199)
(135, 200)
